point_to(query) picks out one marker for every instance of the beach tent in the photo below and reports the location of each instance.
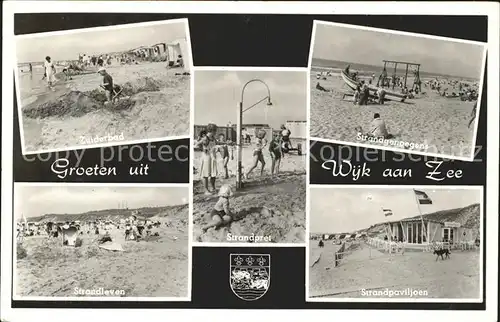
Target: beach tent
(69, 236)
(176, 48)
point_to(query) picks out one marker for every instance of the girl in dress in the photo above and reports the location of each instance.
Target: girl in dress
(208, 168)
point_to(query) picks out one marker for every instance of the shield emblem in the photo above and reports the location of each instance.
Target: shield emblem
(250, 275)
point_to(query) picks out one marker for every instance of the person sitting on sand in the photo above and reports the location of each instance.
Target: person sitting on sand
(100, 61)
(50, 72)
(107, 84)
(180, 61)
(258, 156)
(209, 162)
(221, 214)
(224, 150)
(321, 88)
(378, 128)
(275, 151)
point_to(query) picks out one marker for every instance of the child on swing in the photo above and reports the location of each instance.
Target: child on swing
(221, 214)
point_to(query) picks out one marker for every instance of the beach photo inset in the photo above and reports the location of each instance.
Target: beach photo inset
(396, 91)
(395, 243)
(103, 86)
(87, 242)
(250, 155)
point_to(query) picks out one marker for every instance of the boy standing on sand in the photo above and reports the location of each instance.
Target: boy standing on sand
(107, 83)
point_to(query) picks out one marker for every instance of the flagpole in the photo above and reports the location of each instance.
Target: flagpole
(420, 212)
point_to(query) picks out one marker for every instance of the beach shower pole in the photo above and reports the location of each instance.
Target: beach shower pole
(239, 125)
(239, 143)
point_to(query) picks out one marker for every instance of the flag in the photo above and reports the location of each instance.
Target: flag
(387, 212)
(423, 198)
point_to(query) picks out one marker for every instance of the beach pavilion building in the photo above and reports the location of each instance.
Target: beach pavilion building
(420, 232)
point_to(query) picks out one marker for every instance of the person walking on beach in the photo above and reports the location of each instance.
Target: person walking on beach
(107, 84)
(31, 68)
(208, 167)
(50, 72)
(258, 156)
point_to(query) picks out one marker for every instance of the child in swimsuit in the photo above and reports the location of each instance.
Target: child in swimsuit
(221, 214)
(224, 151)
(275, 151)
(260, 143)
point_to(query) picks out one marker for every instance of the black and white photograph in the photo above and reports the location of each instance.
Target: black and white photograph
(103, 86)
(83, 241)
(395, 90)
(250, 155)
(395, 243)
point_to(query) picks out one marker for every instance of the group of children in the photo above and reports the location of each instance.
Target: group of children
(210, 146)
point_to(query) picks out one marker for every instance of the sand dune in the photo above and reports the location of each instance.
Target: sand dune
(429, 119)
(149, 114)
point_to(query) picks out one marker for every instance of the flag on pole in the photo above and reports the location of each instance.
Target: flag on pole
(387, 212)
(423, 198)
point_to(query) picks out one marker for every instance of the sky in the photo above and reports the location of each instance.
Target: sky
(35, 201)
(68, 46)
(371, 47)
(217, 95)
(344, 210)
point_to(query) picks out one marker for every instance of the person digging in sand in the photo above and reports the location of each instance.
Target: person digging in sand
(258, 156)
(208, 167)
(275, 151)
(221, 214)
(226, 151)
(107, 84)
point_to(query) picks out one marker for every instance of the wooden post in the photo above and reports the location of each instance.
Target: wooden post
(394, 76)
(239, 145)
(406, 74)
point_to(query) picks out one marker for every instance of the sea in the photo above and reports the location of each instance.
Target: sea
(32, 85)
(363, 69)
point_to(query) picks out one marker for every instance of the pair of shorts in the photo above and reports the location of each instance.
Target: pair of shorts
(276, 155)
(259, 155)
(218, 213)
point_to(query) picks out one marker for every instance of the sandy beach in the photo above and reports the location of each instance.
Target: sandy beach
(437, 123)
(158, 107)
(266, 206)
(370, 269)
(155, 268)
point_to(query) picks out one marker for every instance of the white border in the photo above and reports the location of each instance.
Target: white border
(306, 155)
(17, 297)
(407, 300)
(416, 35)
(87, 30)
(216, 315)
